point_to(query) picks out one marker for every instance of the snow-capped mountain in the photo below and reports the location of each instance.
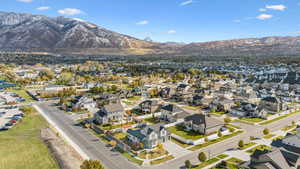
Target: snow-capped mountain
(26, 31)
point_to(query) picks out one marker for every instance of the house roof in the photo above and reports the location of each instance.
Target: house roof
(114, 107)
(196, 118)
(171, 108)
(271, 99)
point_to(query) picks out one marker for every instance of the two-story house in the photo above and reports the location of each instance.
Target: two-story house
(110, 114)
(148, 136)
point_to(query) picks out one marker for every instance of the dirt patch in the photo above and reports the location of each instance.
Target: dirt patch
(65, 155)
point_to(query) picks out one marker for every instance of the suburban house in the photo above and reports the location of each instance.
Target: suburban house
(202, 124)
(172, 113)
(148, 137)
(266, 159)
(285, 156)
(149, 106)
(273, 104)
(55, 87)
(248, 110)
(166, 92)
(84, 102)
(111, 113)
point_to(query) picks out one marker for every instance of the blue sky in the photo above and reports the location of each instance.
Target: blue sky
(176, 20)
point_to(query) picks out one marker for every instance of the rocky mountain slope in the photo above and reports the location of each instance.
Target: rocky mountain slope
(26, 32)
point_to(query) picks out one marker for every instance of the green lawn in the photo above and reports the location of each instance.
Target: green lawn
(252, 120)
(167, 158)
(247, 145)
(134, 98)
(22, 148)
(234, 160)
(129, 157)
(269, 136)
(22, 93)
(278, 138)
(234, 126)
(151, 120)
(279, 118)
(289, 127)
(222, 156)
(259, 147)
(183, 145)
(120, 135)
(179, 130)
(197, 147)
(206, 163)
(110, 127)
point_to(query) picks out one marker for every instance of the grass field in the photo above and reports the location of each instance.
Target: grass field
(22, 93)
(22, 148)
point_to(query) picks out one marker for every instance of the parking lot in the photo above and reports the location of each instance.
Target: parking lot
(7, 116)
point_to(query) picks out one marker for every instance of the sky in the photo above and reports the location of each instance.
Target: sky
(175, 20)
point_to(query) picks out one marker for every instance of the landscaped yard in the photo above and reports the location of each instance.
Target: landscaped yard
(222, 156)
(269, 136)
(279, 118)
(197, 147)
(151, 120)
(289, 127)
(252, 120)
(120, 135)
(179, 143)
(259, 147)
(167, 158)
(247, 145)
(179, 130)
(22, 93)
(206, 163)
(22, 148)
(129, 157)
(158, 152)
(110, 127)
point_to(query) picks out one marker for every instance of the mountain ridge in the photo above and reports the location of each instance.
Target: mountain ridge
(27, 32)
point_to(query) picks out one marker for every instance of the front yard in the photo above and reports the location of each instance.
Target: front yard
(259, 147)
(180, 131)
(157, 152)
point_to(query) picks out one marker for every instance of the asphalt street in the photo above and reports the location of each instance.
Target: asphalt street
(88, 143)
(113, 160)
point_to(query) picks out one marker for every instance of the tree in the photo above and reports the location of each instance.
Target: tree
(227, 120)
(206, 139)
(266, 131)
(202, 157)
(293, 123)
(220, 134)
(91, 164)
(188, 164)
(241, 144)
(252, 138)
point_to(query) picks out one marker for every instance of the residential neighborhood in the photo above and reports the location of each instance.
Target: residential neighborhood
(157, 119)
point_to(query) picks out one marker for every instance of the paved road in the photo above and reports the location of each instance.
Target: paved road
(97, 150)
(218, 148)
(87, 142)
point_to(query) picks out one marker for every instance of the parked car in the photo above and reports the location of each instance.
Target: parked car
(4, 128)
(16, 117)
(9, 124)
(13, 121)
(20, 114)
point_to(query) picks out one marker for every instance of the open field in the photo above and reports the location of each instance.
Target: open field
(22, 93)
(22, 148)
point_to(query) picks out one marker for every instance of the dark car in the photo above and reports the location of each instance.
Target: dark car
(3, 128)
(9, 124)
(16, 118)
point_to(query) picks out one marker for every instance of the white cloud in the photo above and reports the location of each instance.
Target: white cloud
(262, 9)
(145, 22)
(264, 16)
(43, 8)
(171, 31)
(186, 2)
(70, 11)
(276, 7)
(25, 1)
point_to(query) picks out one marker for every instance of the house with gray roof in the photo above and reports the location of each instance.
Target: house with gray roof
(148, 137)
(202, 124)
(110, 114)
(172, 113)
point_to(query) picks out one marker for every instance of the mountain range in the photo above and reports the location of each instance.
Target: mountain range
(27, 32)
